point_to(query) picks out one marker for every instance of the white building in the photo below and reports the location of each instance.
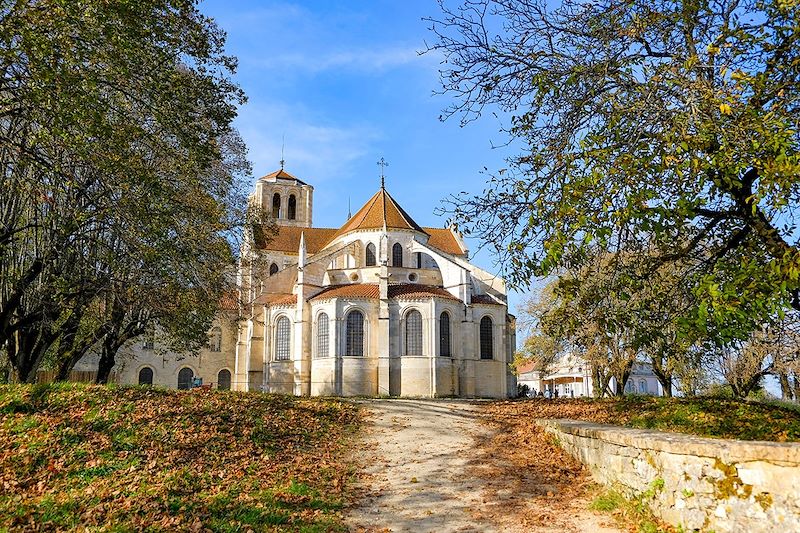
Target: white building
(379, 306)
(571, 377)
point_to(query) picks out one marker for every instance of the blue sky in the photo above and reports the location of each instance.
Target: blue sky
(345, 84)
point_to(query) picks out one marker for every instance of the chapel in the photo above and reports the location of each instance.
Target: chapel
(380, 306)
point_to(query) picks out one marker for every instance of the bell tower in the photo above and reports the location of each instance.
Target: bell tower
(288, 199)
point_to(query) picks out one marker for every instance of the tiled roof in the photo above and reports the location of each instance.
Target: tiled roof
(525, 368)
(357, 290)
(371, 291)
(444, 240)
(288, 239)
(484, 299)
(411, 291)
(282, 175)
(276, 299)
(381, 207)
(229, 301)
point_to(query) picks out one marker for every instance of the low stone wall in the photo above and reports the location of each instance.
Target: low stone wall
(697, 483)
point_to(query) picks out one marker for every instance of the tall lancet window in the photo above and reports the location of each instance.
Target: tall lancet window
(282, 339)
(487, 338)
(370, 255)
(444, 335)
(276, 205)
(354, 336)
(322, 335)
(397, 255)
(291, 212)
(414, 333)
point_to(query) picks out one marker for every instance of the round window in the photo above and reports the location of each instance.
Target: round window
(412, 277)
(354, 277)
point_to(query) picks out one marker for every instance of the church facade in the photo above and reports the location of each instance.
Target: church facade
(377, 307)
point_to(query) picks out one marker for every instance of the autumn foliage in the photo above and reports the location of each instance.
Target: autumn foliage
(133, 459)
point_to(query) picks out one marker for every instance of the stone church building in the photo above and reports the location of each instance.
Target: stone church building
(380, 306)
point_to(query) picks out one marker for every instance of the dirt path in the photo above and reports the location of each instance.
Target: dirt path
(423, 473)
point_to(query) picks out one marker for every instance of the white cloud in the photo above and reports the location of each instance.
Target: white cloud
(314, 151)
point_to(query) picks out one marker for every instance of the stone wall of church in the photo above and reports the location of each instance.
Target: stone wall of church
(166, 365)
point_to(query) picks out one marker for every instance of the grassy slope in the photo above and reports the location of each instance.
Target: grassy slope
(133, 459)
(708, 417)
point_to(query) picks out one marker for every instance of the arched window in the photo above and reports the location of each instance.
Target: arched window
(487, 340)
(354, 336)
(322, 335)
(444, 334)
(276, 205)
(414, 333)
(397, 255)
(146, 376)
(629, 387)
(273, 269)
(643, 387)
(292, 209)
(185, 377)
(224, 379)
(282, 339)
(215, 339)
(371, 255)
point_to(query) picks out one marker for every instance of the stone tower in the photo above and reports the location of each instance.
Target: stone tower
(287, 198)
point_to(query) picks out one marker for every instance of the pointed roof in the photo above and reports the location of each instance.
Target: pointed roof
(380, 210)
(281, 174)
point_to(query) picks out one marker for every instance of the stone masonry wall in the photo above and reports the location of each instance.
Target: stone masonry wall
(698, 483)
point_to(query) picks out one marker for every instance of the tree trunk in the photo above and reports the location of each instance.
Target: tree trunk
(106, 363)
(786, 389)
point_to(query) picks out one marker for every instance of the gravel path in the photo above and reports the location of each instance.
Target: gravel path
(421, 474)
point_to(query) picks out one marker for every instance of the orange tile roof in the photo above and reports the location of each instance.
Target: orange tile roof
(445, 240)
(276, 299)
(526, 367)
(281, 174)
(358, 290)
(484, 299)
(411, 291)
(229, 301)
(381, 207)
(370, 291)
(287, 239)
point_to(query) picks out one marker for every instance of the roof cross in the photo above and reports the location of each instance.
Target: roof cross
(383, 164)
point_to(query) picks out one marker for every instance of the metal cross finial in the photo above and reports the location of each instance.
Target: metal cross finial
(283, 145)
(383, 164)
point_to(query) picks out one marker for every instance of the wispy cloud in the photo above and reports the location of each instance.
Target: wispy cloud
(354, 59)
(314, 150)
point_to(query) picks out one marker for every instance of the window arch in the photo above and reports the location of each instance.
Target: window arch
(397, 255)
(149, 337)
(273, 269)
(323, 337)
(414, 333)
(185, 378)
(354, 335)
(276, 205)
(224, 379)
(291, 210)
(146, 376)
(215, 339)
(487, 338)
(370, 255)
(643, 387)
(283, 339)
(444, 334)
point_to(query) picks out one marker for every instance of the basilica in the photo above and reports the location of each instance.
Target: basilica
(378, 307)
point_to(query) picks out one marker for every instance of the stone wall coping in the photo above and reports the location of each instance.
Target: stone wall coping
(727, 450)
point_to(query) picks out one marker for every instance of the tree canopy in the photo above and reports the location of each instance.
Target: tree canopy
(119, 160)
(664, 129)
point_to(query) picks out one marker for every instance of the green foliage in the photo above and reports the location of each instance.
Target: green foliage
(120, 191)
(661, 130)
